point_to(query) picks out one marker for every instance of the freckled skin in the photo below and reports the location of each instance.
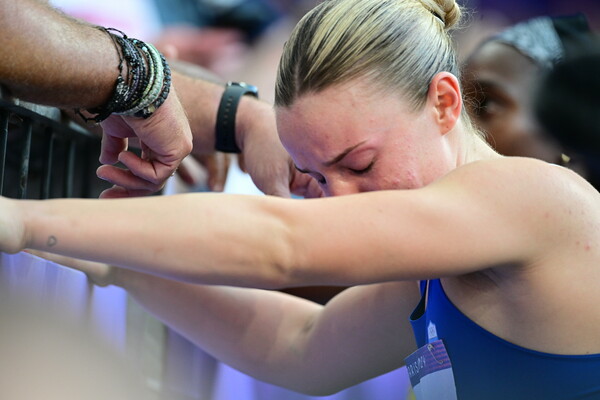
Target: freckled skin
(313, 130)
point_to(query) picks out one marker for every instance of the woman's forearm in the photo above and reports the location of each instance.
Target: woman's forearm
(283, 339)
(50, 58)
(255, 331)
(184, 237)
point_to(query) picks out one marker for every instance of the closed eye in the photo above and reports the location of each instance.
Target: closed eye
(364, 170)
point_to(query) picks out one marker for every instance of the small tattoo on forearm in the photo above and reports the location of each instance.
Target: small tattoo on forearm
(51, 241)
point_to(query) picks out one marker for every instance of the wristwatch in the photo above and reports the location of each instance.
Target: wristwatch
(225, 128)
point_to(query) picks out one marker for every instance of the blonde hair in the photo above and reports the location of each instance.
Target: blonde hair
(398, 44)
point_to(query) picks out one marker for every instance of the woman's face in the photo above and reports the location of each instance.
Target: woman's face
(354, 140)
(499, 83)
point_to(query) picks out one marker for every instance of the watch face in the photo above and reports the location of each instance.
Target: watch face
(250, 89)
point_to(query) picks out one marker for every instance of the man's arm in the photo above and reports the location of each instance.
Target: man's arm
(263, 155)
(52, 59)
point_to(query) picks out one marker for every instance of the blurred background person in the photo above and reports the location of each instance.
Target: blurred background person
(504, 72)
(567, 106)
(488, 17)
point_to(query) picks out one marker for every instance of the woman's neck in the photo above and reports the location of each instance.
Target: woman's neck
(474, 148)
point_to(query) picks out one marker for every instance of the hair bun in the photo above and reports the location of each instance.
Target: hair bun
(448, 11)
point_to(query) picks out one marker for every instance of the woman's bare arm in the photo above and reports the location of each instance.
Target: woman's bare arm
(464, 223)
(275, 337)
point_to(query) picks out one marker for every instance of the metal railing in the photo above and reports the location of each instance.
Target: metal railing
(45, 155)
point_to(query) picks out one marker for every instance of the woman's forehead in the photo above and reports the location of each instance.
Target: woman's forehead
(352, 102)
(319, 127)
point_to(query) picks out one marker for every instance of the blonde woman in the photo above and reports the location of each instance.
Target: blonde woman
(493, 260)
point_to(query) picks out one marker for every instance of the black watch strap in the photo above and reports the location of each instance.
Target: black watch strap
(225, 128)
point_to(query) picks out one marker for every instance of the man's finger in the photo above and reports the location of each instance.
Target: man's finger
(154, 171)
(110, 148)
(118, 192)
(125, 178)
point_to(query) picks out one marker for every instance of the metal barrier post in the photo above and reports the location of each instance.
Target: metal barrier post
(3, 140)
(70, 169)
(48, 163)
(24, 172)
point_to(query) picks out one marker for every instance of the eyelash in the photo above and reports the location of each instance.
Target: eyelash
(364, 170)
(322, 181)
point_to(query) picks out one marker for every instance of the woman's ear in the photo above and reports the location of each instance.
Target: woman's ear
(444, 98)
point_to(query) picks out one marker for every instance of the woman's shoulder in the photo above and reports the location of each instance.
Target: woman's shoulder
(510, 164)
(517, 171)
(523, 181)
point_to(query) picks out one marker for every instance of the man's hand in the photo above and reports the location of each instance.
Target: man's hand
(165, 139)
(305, 185)
(209, 168)
(263, 156)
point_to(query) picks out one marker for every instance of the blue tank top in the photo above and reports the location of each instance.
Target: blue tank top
(486, 367)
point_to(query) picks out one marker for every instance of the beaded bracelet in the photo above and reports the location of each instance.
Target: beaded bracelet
(137, 71)
(166, 85)
(152, 90)
(146, 86)
(159, 89)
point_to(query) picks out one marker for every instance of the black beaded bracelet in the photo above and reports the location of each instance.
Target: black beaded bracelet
(137, 78)
(146, 86)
